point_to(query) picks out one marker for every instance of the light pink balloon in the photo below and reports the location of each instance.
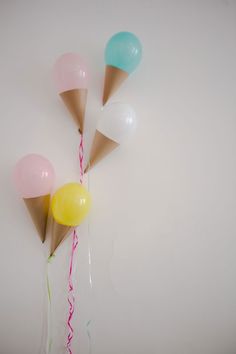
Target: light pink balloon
(33, 176)
(70, 72)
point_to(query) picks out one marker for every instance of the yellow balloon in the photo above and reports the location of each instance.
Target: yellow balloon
(71, 204)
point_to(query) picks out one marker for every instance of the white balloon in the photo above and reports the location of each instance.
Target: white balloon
(117, 122)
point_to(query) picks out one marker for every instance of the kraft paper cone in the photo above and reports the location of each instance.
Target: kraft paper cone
(101, 147)
(38, 208)
(75, 100)
(113, 79)
(59, 234)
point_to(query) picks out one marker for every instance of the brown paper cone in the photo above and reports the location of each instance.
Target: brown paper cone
(101, 147)
(75, 100)
(59, 234)
(113, 79)
(38, 208)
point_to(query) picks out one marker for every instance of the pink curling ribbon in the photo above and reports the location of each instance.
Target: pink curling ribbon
(81, 159)
(71, 296)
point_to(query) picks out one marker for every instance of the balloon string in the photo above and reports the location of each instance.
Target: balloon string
(49, 295)
(81, 158)
(71, 296)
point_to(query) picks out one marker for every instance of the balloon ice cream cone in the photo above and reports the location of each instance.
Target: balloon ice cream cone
(71, 79)
(75, 101)
(101, 147)
(59, 234)
(114, 77)
(38, 208)
(123, 53)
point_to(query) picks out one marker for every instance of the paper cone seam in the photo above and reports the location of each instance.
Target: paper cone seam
(101, 146)
(75, 100)
(114, 77)
(59, 235)
(38, 208)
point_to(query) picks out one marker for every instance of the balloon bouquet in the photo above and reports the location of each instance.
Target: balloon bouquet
(34, 175)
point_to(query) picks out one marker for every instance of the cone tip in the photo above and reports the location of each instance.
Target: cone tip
(43, 237)
(104, 100)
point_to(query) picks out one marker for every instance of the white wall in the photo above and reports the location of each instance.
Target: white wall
(163, 229)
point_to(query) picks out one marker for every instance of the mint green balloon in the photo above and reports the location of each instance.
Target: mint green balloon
(123, 51)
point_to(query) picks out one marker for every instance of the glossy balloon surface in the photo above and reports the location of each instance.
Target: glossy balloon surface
(70, 72)
(124, 51)
(33, 176)
(117, 121)
(71, 204)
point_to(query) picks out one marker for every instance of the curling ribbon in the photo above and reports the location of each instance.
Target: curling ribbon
(49, 316)
(81, 158)
(71, 295)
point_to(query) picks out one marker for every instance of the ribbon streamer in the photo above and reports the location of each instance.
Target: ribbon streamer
(71, 295)
(81, 159)
(49, 314)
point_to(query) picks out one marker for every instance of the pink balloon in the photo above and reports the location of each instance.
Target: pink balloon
(70, 72)
(33, 176)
